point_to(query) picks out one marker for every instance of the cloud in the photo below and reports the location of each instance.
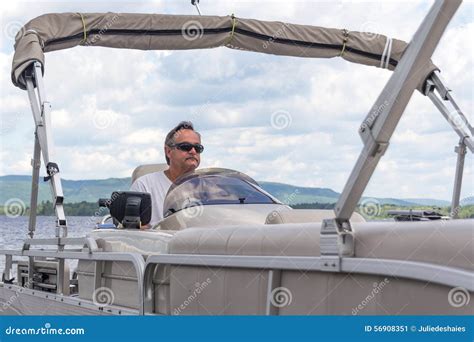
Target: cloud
(112, 108)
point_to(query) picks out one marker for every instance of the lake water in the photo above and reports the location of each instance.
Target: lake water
(13, 231)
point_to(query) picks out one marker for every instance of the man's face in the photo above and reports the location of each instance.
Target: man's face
(183, 160)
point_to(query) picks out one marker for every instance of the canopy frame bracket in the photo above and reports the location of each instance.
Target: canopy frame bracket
(195, 3)
(336, 241)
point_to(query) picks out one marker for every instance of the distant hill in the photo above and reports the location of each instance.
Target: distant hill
(430, 201)
(291, 194)
(74, 190)
(93, 189)
(467, 201)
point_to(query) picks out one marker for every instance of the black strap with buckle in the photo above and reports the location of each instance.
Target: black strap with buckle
(51, 169)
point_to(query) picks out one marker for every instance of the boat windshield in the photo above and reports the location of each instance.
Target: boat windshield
(218, 186)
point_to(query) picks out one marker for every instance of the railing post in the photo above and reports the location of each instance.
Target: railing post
(461, 152)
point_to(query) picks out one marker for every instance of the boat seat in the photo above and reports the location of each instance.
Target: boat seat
(146, 169)
(120, 277)
(241, 291)
(305, 216)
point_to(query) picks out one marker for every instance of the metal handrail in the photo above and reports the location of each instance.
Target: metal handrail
(88, 242)
(135, 258)
(448, 276)
(444, 275)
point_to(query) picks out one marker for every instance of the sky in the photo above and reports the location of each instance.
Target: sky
(282, 119)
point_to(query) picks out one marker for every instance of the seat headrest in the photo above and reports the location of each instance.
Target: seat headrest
(305, 216)
(145, 169)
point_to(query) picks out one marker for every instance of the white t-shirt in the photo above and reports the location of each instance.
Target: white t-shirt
(157, 185)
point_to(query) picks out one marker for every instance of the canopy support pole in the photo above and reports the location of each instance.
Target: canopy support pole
(461, 152)
(460, 125)
(376, 130)
(41, 114)
(456, 117)
(36, 164)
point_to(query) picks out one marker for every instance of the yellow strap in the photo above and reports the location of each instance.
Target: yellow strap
(344, 41)
(234, 24)
(84, 28)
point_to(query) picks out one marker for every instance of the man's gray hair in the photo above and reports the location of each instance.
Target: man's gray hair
(174, 133)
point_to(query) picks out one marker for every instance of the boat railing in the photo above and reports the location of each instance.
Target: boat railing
(274, 265)
(87, 254)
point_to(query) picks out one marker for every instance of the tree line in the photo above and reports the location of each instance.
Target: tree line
(45, 208)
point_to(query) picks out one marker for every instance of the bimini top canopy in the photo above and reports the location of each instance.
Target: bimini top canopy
(59, 31)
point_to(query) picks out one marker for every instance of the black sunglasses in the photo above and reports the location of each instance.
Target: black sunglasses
(185, 146)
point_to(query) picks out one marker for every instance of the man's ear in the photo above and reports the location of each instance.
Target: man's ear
(167, 151)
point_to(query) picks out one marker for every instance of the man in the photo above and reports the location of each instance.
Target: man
(182, 152)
